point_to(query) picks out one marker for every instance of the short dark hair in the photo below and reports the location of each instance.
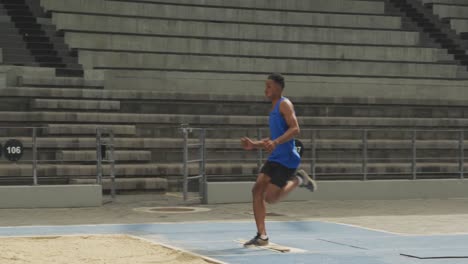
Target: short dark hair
(277, 78)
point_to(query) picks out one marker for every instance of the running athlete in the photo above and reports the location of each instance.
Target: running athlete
(279, 175)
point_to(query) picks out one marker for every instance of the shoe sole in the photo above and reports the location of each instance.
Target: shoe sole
(312, 184)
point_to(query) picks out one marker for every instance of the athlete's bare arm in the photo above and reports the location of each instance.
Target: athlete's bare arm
(249, 144)
(287, 110)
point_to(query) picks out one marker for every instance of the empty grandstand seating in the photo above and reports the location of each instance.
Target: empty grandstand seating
(349, 38)
(153, 65)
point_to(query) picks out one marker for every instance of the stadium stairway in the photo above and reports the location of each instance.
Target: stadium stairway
(436, 25)
(30, 39)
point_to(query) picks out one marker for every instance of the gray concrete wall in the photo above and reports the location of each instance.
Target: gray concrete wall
(50, 196)
(232, 31)
(90, 59)
(313, 86)
(320, 5)
(240, 192)
(317, 5)
(249, 48)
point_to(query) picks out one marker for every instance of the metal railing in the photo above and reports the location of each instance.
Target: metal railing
(313, 145)
(105, 154)
(201, 161)
(37, 147)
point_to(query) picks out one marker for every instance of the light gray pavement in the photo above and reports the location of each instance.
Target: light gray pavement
(400, 216)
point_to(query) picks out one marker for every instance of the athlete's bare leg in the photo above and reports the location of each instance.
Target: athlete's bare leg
(274, 194)
(258, 203)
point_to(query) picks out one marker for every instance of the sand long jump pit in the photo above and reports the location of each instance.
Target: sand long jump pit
(87, 249)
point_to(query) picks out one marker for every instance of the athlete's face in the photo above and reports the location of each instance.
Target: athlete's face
(272, 89)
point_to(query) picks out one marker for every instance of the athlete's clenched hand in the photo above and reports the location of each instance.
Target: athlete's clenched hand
(270, 145)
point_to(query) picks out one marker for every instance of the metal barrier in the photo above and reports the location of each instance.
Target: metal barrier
(103, 154)
(39, 148)
(313, 143)
(201, 177)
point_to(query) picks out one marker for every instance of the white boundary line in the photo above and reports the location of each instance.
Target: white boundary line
(211, 260)
(393, 233)
(145, 223)
(271, 245)
(150, 210)
(57, 236)
(233, 221)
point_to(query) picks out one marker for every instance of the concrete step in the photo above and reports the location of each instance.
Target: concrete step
(240, 87)
(459, 2)
(16, 57)
(134, 184)
(11, 38)
(164, 27)
(235, 171)
(330, 150)
(22, 63)
(87, 129)
(324, 142)
(13, 45)
(459, 25)
(329, 86)
(89, 142)
(60, 104)
(337, 155)
(5, 18)
(332, 132)
(151, 121)
(338, 6)
(443, 10)
(19, 99)
(15, 181)
(119, 155)
(279, 16)
(302, 109)
(8, 30)
(59, 82)
(149, 44)
(14, 104)
(87, 171)
(206, 63)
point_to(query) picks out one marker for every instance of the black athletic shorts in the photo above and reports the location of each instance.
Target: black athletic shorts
(278, 173)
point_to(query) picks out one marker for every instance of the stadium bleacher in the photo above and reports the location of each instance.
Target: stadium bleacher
(150, 66)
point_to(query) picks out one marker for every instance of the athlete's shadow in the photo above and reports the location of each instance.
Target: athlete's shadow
(301, 226)
(230, 251)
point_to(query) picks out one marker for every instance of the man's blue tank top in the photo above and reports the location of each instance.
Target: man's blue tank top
(286, 153)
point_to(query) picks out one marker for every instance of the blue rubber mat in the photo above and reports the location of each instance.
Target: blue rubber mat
(316, 242)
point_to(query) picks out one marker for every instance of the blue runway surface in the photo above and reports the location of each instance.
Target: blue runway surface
(318, 242)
